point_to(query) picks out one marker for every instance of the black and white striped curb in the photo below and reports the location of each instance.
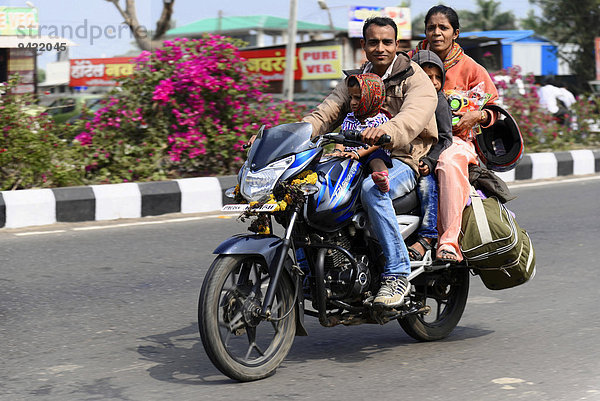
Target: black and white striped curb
(536, 166)
(36, 207)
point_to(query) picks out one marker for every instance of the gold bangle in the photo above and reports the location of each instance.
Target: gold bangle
(483, 117)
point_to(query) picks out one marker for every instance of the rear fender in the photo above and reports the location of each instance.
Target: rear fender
(266, 246)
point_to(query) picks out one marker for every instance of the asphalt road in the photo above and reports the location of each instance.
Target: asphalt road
(108, 312)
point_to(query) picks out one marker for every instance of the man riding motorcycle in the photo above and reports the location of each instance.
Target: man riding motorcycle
(411, 99)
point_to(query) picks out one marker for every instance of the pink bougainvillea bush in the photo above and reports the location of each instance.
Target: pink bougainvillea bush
(186, 111)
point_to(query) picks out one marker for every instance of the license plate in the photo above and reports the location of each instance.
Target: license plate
(268, 207)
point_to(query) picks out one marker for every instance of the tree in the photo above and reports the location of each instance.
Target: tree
(570, 22)
(487, 17)
(139, 32)
(531, 22)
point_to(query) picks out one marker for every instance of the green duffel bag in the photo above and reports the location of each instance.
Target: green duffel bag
(519, 273)
(494, 245)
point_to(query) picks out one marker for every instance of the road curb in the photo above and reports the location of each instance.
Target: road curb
(36, 207)
(537, 166)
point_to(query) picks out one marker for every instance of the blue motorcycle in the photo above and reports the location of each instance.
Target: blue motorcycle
(254, 296)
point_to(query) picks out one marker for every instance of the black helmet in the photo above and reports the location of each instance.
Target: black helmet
(500, 146)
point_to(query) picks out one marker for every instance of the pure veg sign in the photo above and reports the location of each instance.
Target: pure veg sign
(321, 62)
(318, 62)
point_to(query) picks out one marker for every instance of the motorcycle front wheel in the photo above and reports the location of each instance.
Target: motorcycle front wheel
(445, 294)
(240, 343)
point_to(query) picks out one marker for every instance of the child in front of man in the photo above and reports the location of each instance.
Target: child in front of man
(367, 96)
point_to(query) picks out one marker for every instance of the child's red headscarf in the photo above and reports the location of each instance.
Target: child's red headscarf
(372, 95)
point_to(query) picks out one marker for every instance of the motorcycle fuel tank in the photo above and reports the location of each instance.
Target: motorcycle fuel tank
(339, 182)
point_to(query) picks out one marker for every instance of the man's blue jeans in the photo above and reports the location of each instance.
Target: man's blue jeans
(383, 218)
(427, 189)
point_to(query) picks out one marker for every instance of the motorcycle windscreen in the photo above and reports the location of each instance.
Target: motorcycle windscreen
(277, 142)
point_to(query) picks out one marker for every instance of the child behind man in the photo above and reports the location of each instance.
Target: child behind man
(427, 185)
(367, 95)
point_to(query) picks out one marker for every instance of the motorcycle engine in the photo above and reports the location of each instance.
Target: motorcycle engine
(342, 280)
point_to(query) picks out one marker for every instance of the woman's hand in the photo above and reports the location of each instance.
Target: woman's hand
(468, 120)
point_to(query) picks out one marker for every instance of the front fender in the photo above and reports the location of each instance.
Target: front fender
(251, 244)
(266, 246)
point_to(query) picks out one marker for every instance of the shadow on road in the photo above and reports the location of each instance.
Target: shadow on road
(356, 344)
(180, 356)
(461, 333)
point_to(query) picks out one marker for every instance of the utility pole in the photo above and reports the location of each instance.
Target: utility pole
(219, 23)
(290, 53)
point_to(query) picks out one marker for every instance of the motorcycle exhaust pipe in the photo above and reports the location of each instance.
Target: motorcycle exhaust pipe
(321, 295)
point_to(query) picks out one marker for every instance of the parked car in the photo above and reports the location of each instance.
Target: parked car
(33, 110)
(69, 109)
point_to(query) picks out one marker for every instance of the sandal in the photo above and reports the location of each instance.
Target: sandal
(415, 255)
(447, 256)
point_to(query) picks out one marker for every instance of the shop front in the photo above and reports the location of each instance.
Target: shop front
(20, 44)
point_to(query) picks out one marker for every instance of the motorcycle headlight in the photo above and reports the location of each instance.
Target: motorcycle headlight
(257, 185)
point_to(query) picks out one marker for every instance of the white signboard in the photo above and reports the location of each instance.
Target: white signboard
(358, 14)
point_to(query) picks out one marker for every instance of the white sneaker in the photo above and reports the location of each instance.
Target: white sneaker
(392, 291)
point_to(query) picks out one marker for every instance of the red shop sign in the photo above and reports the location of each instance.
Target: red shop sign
(270, 63)
(99, 71)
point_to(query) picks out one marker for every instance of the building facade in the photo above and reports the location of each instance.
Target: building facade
(497, 50)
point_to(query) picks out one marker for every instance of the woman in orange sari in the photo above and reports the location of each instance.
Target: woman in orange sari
(463, 74)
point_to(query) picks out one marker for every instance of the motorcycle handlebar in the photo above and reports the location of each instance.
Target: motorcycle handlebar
(356, 136)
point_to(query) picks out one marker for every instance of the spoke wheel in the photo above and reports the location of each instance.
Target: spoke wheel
(240, 343)
(445, 294)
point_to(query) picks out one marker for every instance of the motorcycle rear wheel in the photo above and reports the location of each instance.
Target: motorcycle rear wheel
(446, 294)
(240, 343)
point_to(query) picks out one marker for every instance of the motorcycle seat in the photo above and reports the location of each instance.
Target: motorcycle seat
(407, 204)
